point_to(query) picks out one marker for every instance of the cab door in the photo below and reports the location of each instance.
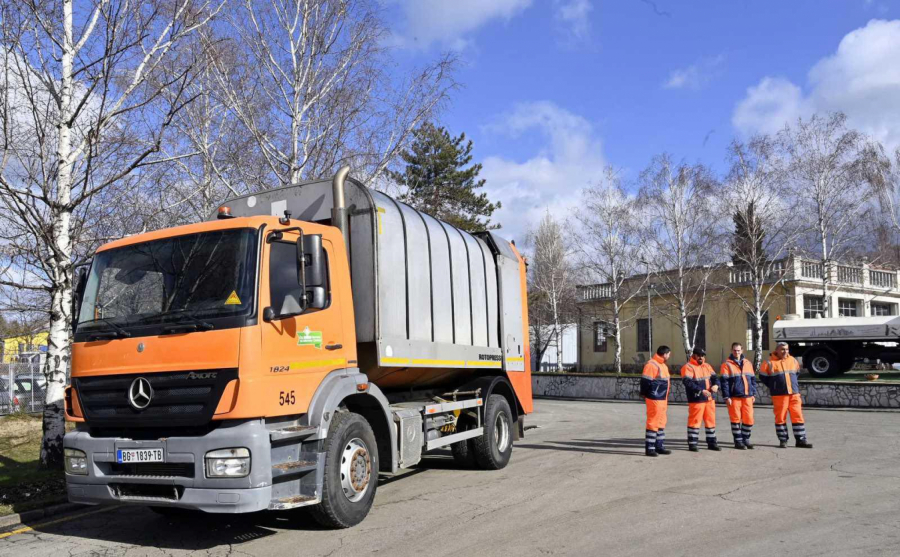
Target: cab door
(298, 349)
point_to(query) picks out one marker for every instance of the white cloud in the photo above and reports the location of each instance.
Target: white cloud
(573, 16)
(697, 75)
(552, 178)
(449, 22)
(862, 79)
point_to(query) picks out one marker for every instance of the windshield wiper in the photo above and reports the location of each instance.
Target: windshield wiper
(197, 324)
(118, 333)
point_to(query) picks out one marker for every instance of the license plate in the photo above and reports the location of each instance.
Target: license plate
(130, 456)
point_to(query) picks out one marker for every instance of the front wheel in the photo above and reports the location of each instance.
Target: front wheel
(494, 448)
(351, 472)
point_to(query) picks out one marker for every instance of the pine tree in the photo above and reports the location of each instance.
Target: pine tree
(747, 243)
(439, 181)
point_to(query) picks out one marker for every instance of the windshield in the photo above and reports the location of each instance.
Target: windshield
(186, 278)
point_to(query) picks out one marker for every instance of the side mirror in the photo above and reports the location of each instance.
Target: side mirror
(312, 258)
(78, 295)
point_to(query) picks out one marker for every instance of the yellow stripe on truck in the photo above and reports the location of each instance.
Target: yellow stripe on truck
(516, 359)
(487, 363)
(456, 363)
(404, 361)
(317, 363)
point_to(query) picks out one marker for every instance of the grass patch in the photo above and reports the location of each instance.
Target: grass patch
(23, 485)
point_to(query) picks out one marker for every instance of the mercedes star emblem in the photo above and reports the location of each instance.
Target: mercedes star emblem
(139, 393)
(140, 347)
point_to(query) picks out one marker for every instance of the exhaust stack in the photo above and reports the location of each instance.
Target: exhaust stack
(339, 210)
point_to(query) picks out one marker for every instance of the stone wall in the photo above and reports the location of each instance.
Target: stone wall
(838, 394)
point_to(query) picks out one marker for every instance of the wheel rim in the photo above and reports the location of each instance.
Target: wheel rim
(501, 431)
(820, 364)
(356, 469)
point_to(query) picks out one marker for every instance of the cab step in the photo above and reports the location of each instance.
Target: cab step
(306, 463)
(293, 432)
(292, 502)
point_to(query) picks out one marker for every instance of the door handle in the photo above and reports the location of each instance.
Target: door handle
(333, 346)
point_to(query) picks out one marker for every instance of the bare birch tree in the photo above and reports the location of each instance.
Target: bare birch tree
(551, 280)
(829, 175)
(610, 248)
(318, 92)
(677, 203)
(81, 115)
(758, 212)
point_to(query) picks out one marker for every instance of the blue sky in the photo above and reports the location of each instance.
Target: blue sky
(553, 90)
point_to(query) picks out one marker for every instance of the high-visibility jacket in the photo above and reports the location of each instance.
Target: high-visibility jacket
(780, 375)
(655, 379)
(737, 378)
(697, 378)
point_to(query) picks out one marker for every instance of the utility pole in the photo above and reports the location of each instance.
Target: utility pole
(649, 320)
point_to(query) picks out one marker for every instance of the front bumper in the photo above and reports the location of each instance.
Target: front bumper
(182, 482)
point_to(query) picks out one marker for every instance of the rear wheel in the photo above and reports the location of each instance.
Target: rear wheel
(351, 472)
(494, 447)
(822, 363)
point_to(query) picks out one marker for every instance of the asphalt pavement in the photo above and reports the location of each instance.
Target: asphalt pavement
(578, 484)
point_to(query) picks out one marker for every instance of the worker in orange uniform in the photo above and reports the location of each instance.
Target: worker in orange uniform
(779, 374)
(700, 385)
(655, 390)
(739, 391)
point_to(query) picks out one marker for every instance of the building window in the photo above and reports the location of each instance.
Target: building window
(813, 306)
(752, 343)
(602, 330)
(643, 335)
(882, 308)
(700, 334)
(848, 308)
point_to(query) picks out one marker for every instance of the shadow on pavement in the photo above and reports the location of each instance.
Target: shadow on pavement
(192, 531)
(615, 446)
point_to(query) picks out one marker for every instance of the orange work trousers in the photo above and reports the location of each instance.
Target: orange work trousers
(702, 412)
(656, 414)
(784, 404)
(741, 411)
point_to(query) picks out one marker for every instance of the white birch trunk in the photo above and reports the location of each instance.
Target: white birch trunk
(60, 267)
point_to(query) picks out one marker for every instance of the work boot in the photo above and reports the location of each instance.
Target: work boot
(804, 444)
(782, 444)
(740, 446)
(663, 450)
(748, 445)
(714, 446)
(693, 448)
(650, 452)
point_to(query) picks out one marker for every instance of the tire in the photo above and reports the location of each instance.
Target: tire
(464, 451)
(346, 497)
(494, 447)
(821, 363)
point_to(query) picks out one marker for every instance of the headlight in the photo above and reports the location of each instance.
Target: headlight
(76, 462)
(228, 463)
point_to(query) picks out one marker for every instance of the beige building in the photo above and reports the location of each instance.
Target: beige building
(857, 291)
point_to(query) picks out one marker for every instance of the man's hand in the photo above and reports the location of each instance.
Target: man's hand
(706, 393)
(714, 388)
(752, 399)
(728, 401)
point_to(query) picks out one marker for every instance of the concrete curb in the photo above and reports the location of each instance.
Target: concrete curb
(10, 521)
(719, 403)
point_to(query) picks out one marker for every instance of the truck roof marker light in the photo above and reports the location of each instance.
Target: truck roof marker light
(286, 219)
(362, 387)
(225, 212)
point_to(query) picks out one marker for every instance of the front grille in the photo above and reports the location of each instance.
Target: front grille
(147, 492)
(178, 398)
(154, 469)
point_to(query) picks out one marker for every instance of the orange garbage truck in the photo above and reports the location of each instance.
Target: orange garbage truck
(288, 350)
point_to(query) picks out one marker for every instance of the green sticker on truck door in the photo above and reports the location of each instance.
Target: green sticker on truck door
(309, 338)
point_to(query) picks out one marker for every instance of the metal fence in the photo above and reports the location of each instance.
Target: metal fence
(22, 388)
